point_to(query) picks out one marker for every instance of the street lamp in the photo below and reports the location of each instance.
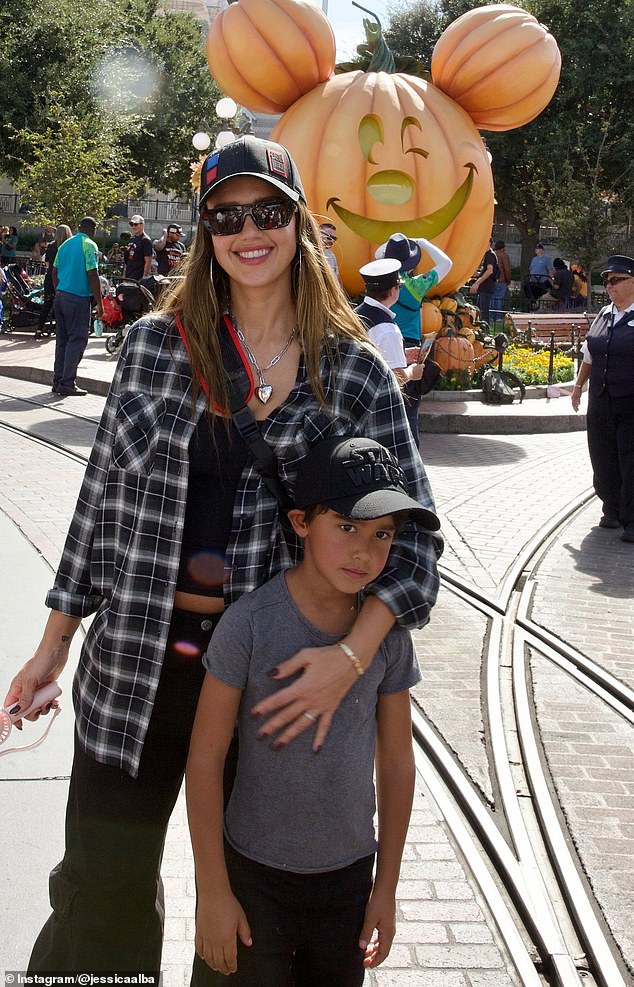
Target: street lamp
(201, 140)
(226, 109)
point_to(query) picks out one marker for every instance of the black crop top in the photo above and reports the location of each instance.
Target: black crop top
(214, 473)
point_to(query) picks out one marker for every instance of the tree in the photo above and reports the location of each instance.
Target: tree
(71, 174)
(92, 64)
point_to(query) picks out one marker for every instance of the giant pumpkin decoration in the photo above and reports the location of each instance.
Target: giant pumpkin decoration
(268, 53)
(499, 63)
(384, 150)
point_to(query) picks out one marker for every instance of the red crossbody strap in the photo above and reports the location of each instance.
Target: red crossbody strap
(236, 343)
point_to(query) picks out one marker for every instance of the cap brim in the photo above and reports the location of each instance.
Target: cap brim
(378, 503)
(289, 192)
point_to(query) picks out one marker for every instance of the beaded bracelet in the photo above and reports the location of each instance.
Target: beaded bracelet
(349, 653)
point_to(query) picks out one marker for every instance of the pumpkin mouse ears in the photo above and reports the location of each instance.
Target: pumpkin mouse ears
(499, 64)
(267, 53)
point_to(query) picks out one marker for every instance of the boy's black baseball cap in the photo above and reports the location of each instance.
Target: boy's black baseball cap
(358, 478)
(253, 156)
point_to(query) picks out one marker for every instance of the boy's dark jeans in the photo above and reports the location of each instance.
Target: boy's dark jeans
(305, 927)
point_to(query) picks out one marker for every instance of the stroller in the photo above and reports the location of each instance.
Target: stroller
(125, 304)
(534, 286)
(25, 303)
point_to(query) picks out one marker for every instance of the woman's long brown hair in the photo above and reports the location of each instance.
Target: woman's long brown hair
(324, 315)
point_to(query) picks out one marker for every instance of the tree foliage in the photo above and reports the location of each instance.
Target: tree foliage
(574, 164)
(72, 174)
(97, 61)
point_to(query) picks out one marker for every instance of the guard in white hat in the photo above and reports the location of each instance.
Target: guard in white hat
(382, 285)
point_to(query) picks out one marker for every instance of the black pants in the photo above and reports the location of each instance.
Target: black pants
(611, 446)
(47, 305)
(305, 927)
(107, 894)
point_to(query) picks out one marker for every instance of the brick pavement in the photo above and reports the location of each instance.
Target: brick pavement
(590, 753)
(589, 747)
(493, 492)
(446, 936)
(594, 570)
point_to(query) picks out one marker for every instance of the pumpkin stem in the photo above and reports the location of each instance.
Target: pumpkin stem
(375, 56)
(375, 51)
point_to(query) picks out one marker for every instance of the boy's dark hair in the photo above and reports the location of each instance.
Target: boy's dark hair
(400, 518)
(498, 245)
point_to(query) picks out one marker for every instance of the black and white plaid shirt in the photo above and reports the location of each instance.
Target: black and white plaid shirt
(121, 556)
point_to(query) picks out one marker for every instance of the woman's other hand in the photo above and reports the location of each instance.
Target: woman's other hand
(311, 701)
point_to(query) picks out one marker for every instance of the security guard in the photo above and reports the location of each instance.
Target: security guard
(382, 285)
(609, 364)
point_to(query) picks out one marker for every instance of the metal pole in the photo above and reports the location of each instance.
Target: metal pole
(551, 362)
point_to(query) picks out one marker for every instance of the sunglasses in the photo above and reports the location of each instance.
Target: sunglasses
(135, 224)
(229, 220)
(610, 282)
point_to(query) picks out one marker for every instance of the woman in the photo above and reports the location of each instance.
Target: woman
(608, 362)
(9, 246)
(561, 283)
(174, 522)
(62, 233)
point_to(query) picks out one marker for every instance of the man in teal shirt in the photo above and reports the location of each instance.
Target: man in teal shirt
(76, 282)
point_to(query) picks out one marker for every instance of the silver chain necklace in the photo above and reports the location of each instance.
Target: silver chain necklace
(264, 390)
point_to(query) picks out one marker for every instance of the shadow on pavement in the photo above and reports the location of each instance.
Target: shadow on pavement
(608, 560)
(469, 450)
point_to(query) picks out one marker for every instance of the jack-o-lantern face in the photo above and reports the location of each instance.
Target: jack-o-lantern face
(389, 153)
(391, 188)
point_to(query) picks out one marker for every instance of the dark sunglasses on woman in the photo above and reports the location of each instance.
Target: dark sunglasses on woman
(229, 220)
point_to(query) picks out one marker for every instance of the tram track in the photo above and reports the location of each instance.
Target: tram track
(565, 942)
(521, 855)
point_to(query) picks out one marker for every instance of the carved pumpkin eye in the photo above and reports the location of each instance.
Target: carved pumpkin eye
(411, 122)
(370, 133)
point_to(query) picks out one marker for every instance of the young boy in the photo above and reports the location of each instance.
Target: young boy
(290, 898)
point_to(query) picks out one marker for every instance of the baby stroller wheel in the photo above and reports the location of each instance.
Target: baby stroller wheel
(113, 343)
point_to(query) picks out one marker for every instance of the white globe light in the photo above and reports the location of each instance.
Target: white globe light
(225, 137)
(226, 108)
(201, 140)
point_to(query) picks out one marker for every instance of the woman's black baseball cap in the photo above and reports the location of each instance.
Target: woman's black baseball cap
(253, 156)
(358, 478)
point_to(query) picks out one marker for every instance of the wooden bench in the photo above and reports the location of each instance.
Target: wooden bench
(566, 329)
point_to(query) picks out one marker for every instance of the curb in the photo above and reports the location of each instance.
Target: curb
(38, 375)
(460, 413)
(502, 423)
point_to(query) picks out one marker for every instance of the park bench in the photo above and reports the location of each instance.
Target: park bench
(566, 329)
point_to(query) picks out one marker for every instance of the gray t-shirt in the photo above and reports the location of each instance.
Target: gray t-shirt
(293, 809)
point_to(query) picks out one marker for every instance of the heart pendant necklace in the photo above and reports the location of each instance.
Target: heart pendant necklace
(264, 390)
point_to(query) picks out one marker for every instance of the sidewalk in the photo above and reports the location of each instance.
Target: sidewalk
(493, 492)
(445, 936)
(26, 358)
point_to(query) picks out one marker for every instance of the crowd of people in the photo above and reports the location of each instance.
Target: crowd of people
(255, 538)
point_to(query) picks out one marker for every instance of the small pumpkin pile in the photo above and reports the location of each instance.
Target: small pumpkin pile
(460, 342)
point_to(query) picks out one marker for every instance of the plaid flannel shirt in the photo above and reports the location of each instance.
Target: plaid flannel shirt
(121, 556)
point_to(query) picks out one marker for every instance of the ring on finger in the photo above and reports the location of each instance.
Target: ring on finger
(309, 716)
